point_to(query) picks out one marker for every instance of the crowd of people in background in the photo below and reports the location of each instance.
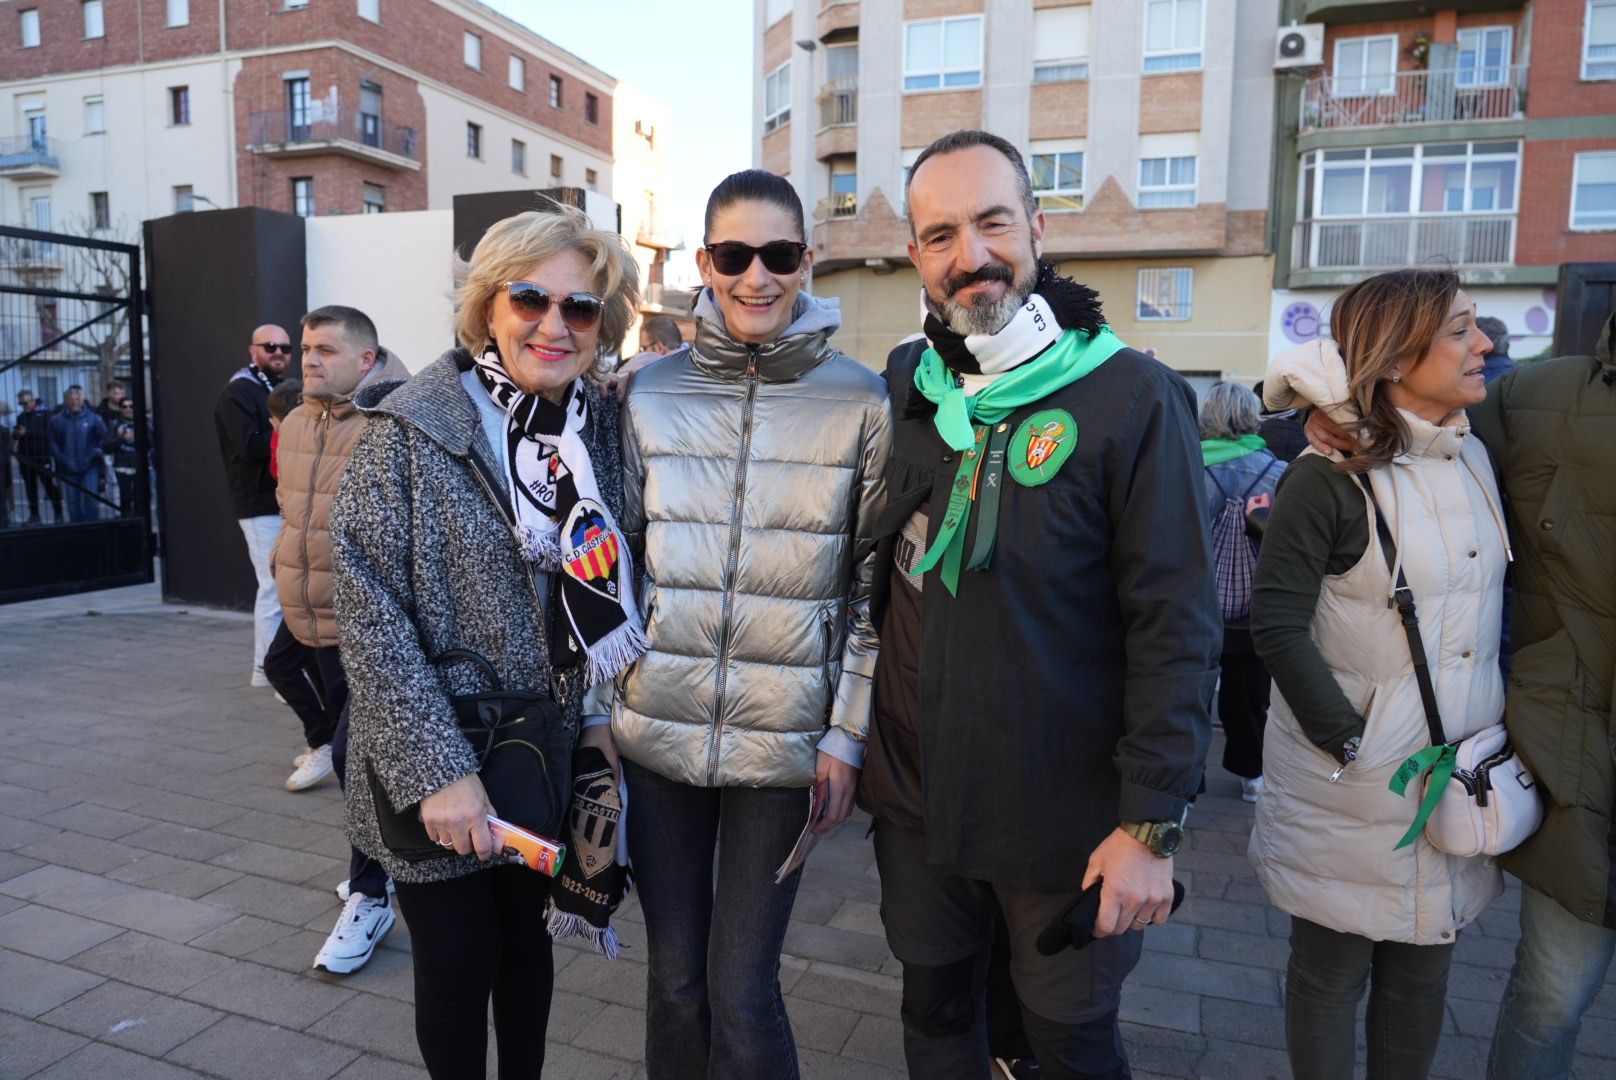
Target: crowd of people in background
(84, 461)
(748, 583)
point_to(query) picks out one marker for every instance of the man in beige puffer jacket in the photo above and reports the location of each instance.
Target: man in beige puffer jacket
(340, 354)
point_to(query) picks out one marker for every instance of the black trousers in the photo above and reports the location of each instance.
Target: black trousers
(1242, 704)
(37, 471)
(312, 682)
(365, 875)
(471, 937)
(1408, 988)
(126, 491)
(1007, 1035)
(940, 927)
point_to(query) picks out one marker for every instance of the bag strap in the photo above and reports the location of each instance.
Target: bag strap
(1403, 598)
(1244, 495)
(467, 656)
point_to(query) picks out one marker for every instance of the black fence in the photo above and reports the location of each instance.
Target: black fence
(76, 437)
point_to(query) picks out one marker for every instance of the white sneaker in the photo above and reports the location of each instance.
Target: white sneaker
(360, 928)
(315, 767)
(1250, 789)
(302, 755)
(259, 678)
(342, 889)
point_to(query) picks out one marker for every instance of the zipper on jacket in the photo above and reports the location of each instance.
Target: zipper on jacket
(732, 564)
(827, 625)
(308, 516)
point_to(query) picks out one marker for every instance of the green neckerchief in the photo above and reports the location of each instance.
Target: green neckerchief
(1218, 451)
(1073, 356)
(962, 420)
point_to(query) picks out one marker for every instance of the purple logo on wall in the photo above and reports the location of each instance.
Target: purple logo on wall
(1300, 322)
(1538, 319)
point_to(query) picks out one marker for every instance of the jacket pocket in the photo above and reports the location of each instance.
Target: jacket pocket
(1547, 717)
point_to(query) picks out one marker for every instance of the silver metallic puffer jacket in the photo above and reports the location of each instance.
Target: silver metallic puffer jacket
(753, 474)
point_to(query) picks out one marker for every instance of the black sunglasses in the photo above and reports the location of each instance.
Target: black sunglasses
(274, 347)
(731, 257)
(581, 311)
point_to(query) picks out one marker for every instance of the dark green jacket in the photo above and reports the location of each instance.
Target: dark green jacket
(1551, 427)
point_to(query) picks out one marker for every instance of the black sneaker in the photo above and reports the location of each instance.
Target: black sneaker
(1019, 1068)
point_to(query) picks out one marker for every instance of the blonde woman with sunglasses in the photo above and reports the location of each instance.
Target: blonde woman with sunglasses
(754, 464)
(476, 490)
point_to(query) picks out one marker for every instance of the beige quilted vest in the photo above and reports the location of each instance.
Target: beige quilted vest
(1325, 851)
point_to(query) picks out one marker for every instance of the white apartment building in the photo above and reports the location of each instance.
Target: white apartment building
(1147, 127)
(158, 107)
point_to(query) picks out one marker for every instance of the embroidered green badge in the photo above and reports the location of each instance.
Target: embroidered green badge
(1041, 446)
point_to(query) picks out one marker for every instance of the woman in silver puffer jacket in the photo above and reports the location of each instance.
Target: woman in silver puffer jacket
(753, 470)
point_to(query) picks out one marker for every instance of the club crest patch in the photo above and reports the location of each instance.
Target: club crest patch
(1041, 446)
(591, 551)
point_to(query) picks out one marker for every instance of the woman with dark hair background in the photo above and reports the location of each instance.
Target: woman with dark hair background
(1372, 902)
(753, 466)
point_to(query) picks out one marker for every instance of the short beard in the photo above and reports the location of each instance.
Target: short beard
(987, 316)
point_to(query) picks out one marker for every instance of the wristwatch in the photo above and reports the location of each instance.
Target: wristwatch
(1163, 838)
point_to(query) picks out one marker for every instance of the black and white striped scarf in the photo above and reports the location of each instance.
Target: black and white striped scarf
(563, 524)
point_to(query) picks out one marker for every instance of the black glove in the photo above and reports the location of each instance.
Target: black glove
(1075, 926)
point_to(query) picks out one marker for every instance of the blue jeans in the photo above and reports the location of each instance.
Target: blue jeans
(1559, 966)
(713, 1005)
(80, 488)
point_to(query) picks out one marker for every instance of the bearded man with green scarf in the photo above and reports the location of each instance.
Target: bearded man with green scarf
(1050, 630)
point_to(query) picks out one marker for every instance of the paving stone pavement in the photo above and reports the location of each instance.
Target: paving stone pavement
(161, 897)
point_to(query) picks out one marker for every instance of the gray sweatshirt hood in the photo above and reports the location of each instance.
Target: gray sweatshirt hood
(803, 346)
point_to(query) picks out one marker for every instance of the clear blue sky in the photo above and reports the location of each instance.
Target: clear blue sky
(695, 58)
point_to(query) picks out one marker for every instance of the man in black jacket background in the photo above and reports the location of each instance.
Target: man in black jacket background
(32, 447)
(1049, 630)
(241, 419)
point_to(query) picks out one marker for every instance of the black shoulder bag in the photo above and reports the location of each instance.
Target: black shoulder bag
(524, 758)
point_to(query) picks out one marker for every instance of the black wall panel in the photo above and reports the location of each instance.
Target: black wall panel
(213, 277)
(474, 213)
(1585, 298)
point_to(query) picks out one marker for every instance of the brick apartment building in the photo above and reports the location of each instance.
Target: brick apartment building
(1147, 124)
(118, 109)
(1478, 133)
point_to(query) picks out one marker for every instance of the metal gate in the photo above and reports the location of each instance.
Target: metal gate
(76, 464)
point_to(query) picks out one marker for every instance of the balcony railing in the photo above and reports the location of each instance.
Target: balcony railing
(841, 204)
(282, 131)
(1395, 99)
(1394, 242)
(838, 102)
(30, 255)
(28, 155)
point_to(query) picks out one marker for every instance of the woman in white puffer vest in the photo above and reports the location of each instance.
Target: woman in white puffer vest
(1346, 708)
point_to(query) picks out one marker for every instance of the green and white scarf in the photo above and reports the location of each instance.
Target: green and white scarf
(963, 418)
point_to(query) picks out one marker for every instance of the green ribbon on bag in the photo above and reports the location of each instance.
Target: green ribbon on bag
(1439, 761)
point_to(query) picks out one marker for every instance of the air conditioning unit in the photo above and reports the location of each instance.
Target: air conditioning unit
(1299, 45)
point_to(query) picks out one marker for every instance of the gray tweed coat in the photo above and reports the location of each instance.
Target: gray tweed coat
(425, 560)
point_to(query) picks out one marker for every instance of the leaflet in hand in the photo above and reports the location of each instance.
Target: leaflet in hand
(514, 844)
(805, 843)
